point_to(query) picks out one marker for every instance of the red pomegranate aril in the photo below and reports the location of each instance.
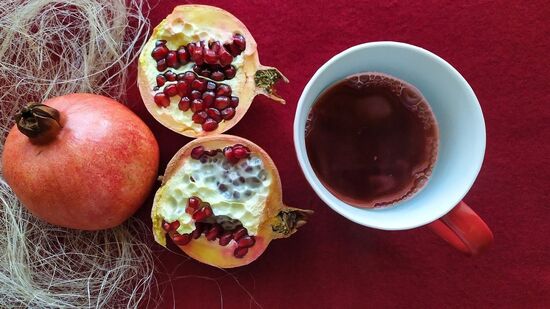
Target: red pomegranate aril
(191, 48)
(229, 155)
(180, 77)
(197, 69)
(240, 252)
(240, 153)
(217, 76)
(213, 232)
(234, 102)
(214, 114)
(197, 55)
(215, 46)
(210, 125)
(232, 49)
(184, 104)
(196, 153)
(161, 80)
(183, 88)
(159, 52)
(225, 57)
(239, 233)
(183, 55)
(194, 202)
(166, 226)
(197, 105)
(239, 41)
(206, 73)
(246, 241)
(171, 90)
(172, 59)
(181, 240)
(161, 65)
(230, 72)
(225, 239)
(170, 76)
(195, 94)
(210, 86)
(189, 77)
(162, 100)
(174, 225)
(199, 117)
(210, 57)
(160, 42)
(199, 84)
(208, 98)
(221, 102)
(202, 213)
(228, 113)
(223, 90)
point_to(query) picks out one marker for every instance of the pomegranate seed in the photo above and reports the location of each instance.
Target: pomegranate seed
(202, 213)
(213, 232)
(217, 76)
(208, 98)
(196, 153)
(191, 48)
(160, 42)
(228, 113)
(197, 105)
(223, 90)
(225, 239)
(240, 153)
(214, 114)
(180, 77)
(229, 155)
(171, 90)
(232, 49)
(246, 242)
(196, 233)
(161, 65)
(210, 125)
(183, 88)
(239, 233)
(166, 226)
(183, 55)
(199, 117)
(159, 52)
(234, 102)
(184, 104)
(174, 225)
(189, 77)
(215, 46)
(161, 80)
(230, 72)
(195, 94)
(240, 252)
(162, 100)
(199, 84)
(206, 72)
(181, 240)
(195, 202)
(225, 57)
(239, 41)
(172, 59)
(197, 69)
(197, 55)
(210, 86)
(170, 76)
(221, 102)
(210, 57)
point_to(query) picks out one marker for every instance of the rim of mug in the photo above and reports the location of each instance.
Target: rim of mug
(324, 194)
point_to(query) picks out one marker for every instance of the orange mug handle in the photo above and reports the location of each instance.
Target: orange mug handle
(463, 229)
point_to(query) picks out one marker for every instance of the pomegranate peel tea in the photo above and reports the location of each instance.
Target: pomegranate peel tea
(372, 139)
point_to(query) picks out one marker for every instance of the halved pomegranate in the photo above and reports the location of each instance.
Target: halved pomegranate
(200, 71)
(221, 202)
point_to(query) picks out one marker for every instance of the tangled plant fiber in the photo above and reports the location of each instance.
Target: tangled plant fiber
(50, 48)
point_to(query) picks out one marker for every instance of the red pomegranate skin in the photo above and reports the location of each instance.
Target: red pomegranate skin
(95, 173)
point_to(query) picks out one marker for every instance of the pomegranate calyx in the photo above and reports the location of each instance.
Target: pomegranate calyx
(265, 79)
(289, 220)
(37, 120)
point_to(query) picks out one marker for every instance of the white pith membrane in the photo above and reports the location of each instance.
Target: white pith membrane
(237, 190)
(178, 32)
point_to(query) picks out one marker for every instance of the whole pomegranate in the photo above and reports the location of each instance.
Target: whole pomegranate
(200, 71)
(80, 161)
(221, 202)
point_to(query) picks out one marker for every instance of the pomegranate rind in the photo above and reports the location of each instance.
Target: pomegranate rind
(210, 252)
(214, 23)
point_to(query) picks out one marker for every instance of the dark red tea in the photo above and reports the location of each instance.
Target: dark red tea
(372, 139)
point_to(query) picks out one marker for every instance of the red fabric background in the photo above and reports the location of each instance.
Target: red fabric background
(501, 48)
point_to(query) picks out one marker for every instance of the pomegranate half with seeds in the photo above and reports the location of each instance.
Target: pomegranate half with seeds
(221, 202)
(200, 71)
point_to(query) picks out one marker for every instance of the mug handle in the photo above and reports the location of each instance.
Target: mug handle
(463, 229)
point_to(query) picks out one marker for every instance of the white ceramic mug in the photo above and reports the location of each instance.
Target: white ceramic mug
(461, 145)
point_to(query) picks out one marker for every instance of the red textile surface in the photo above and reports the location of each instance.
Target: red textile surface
(501, 48)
